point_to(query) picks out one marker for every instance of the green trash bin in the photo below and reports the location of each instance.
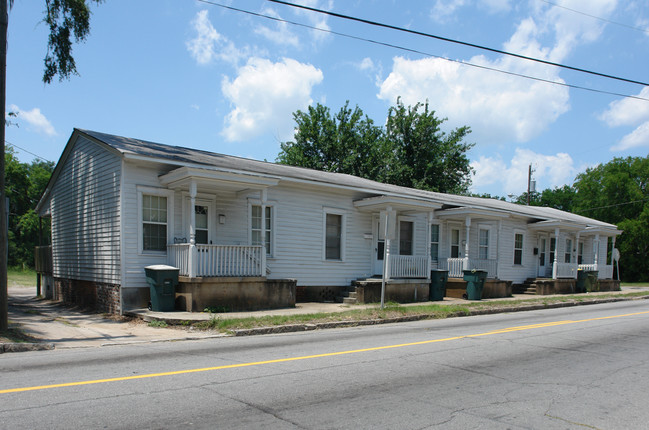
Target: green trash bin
(582, 278)
(162, 281)
(438, 279)
(474, 283)
(591, 281)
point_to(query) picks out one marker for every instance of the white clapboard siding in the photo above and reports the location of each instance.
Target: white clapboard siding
(85, 207)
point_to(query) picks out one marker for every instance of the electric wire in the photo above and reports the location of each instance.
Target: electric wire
(24, 150)
(415, 51)
(459, 42)
(643, 30)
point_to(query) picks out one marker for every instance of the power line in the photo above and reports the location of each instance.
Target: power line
(459, 42)
(615, 205)
(24, 150)
(597, 17)
(415, 51)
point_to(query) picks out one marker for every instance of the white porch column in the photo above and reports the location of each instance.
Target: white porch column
(596, 256)
(193, 252)
(612, 248)
(431, 216)
(263, 196)
(556, 254)
(574, 252)
(467, 223)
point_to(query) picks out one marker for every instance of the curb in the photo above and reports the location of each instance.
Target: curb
(24, 347)
(419, 317)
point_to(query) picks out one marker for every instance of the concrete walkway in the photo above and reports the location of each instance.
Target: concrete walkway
(58, 326)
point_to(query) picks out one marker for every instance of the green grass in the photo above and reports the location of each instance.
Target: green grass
(393, 310)
(21, 278)
(158, 323)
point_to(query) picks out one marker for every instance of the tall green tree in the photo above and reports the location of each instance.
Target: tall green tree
(421, 155)
(68, 22)
(348, 142)
(617, 192)
(410, 151)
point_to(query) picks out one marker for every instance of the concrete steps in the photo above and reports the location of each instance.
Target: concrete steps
(528, 287)
(347, 296)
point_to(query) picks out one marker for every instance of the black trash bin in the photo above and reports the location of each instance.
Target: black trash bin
(438, 279)
(474, 283)
(163, 280)
(582, 278)
(591, 281)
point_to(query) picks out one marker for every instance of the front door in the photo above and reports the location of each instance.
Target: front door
(378, 249)
(543, 257)
(204, 213)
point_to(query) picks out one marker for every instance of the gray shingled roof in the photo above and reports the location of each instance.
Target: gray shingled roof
(180, 155)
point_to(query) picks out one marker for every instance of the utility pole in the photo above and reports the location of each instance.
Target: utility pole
(531, 185)
(4, 299)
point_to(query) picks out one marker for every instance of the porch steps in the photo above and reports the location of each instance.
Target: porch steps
(347, 296)
(527, 287)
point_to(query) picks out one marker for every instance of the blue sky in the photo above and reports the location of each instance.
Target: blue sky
(193, 74)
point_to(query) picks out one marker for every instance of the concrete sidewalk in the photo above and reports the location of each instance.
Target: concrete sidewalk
(57, 326)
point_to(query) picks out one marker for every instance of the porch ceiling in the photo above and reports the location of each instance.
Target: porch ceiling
(550, 225)
(182, 177)
(401, 204)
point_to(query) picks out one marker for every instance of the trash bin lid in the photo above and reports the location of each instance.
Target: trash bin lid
(161, 267)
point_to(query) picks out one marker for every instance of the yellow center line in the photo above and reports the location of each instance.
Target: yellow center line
(307, 357)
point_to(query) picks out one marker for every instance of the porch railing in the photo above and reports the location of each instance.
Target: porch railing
(605, 271)
(408, 266)
(489, 266)
(455, 267)
(218, 260)
(566, 270)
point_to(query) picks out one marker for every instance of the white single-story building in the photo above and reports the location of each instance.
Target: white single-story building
(119, 204)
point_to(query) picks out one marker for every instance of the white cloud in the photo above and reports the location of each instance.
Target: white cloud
(35, 119)
(636, 139)
(264, 96)
(497, 107)
(549, 171)
(281, 35)
(444, 9)
(630, 112)
(209, 45)
(500, 107)
(366, 64)
(317, 20)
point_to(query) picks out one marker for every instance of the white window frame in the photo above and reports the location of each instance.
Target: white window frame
(580, 252)
(200, 200)
(439, 240)
(273, 221)
(567, 255)
(452, 227)
(486, 228)
(343, 232)
(522, 248)
(159, 192)
(414, 234)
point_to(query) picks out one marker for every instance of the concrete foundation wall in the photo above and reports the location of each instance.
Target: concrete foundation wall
(318, 293)
(493, 288)
(401, 291)
(569, 286)
(234, 294)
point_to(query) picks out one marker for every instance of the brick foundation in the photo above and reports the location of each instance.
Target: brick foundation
(87, 294)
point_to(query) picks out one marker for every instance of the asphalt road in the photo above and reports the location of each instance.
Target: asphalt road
(583, 367)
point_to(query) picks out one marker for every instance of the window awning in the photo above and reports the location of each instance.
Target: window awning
(181, 178)
(401, 204)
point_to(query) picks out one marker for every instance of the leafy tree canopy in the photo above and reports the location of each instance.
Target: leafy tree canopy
(410, 151)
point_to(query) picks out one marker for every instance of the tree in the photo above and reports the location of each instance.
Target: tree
(411, 151)
(618, 192)
(424, 157)
(68, 21)
(347, 143)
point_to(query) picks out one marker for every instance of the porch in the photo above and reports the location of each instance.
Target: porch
(217, 261)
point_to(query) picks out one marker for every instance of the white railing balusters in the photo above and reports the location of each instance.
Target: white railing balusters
(219, 260)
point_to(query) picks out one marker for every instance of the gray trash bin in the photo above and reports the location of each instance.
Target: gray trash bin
(162, 280)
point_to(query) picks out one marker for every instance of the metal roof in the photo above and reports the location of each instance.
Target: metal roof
(181, 156)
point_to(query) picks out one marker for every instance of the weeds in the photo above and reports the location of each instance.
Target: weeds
(158, 323)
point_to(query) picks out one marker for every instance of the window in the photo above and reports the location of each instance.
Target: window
(201, 224)
(553, 247)
(258, 230)
(518, 249)
(580, 253)
(542, 253)
(434, 242)
(405, 237)
(333, 237)
(455, 243)
(483, 248)
(154, 223)
(568, 253)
